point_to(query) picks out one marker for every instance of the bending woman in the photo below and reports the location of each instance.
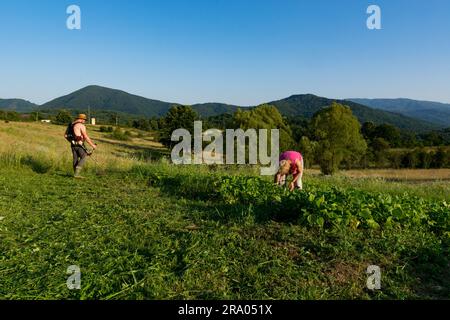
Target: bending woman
(291, 162)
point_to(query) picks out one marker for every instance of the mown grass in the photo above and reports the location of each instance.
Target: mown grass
(134, 241)
(137, 237)
(436, 190)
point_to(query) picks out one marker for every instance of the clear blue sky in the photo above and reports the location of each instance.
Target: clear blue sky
(239, 52)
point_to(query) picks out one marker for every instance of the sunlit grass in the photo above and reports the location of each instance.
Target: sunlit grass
(45, 143)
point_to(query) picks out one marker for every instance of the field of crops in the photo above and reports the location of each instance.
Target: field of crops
(316, 206)
(151, 230)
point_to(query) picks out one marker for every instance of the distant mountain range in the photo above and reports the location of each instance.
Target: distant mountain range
(434, 112)
(304, 105)
(307, 104)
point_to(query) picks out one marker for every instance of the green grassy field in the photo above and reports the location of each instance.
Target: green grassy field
(151, 230)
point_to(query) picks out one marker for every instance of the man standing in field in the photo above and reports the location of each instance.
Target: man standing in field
(76, 134)
(291, 162)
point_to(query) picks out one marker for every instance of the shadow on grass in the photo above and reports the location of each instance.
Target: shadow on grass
(37, 165)
(140, 152)
(236, 213)
(415, 181)
(206, 196)
(206, 200)
(430, 265)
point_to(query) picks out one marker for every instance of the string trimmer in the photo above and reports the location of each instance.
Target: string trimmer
(90, 153)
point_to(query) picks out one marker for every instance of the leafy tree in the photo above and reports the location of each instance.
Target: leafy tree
(221, 122)
(389, 133)
(141, 124)
(106, 129)
(178, 117)
(307, 148)
(379, 147)
(63, 117)
(425, 158)
(441, 158)
(265, 117)
(410, 159)
(35, 116)
(9, 115)
(119, 134)
(396, 159)
(368, 130)
(408, 140)
(154, 124)
(433, 139)
(300, 127)
(114, 119)
(339, 138)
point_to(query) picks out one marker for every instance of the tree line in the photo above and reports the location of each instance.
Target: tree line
(332, 139)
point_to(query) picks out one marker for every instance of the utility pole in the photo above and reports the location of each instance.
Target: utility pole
(89, 114)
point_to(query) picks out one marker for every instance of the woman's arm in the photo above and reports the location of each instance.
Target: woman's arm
(299, 165)
(276, 179)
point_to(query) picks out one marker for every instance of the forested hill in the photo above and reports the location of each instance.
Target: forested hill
(18, 105)
(101, 98)
(307, 104)
(435, 112)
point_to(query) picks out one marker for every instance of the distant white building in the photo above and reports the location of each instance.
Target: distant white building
(93, 121)
(46, 121)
